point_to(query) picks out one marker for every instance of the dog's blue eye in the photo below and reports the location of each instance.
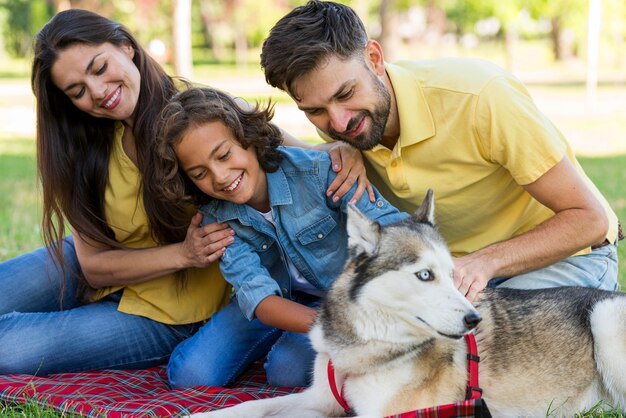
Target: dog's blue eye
(424, 275)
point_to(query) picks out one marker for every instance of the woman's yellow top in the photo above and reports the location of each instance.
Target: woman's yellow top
(162, 299)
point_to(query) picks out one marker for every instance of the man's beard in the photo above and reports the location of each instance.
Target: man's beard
(368, 140)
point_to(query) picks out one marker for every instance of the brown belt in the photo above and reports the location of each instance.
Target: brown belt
(620, 236)
(602, 244)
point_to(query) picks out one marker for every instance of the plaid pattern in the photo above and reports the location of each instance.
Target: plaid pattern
(131, 393)
(475, 408)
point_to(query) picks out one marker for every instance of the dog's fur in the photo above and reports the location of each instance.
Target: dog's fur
(393, 321)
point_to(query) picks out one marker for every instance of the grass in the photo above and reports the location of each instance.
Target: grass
(32, 410)
(601, 410)
(20, 204)
(609, 175)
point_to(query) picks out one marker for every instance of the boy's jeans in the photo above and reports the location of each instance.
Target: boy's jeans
(229, 343)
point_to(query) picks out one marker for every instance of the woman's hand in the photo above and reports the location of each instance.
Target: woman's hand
(106, 266)
(205, 244)
(347, 162)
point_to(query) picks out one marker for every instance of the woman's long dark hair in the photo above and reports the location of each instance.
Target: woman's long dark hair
(73, 147)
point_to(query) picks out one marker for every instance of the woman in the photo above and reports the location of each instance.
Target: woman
(126, 286)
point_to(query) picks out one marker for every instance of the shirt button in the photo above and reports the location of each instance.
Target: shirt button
(284, 291)
(394, 163)
(380, 203)
(320, 236)
(264, 246)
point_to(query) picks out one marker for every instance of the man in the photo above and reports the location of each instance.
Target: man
(513, 203)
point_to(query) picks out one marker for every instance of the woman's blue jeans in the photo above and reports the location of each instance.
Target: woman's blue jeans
(43, 331)
(229, 343)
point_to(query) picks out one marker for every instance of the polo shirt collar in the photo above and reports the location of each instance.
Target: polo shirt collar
(416, 121)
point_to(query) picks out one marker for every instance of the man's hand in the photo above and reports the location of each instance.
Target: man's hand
(347, 162)
(471, 276)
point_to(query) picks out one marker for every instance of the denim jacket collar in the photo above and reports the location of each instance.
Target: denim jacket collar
(279, 194)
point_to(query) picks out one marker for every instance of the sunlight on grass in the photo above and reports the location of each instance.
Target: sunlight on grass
(32, 409)
(601, 410)
(17, 146)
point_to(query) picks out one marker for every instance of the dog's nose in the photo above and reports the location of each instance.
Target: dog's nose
(471, 320)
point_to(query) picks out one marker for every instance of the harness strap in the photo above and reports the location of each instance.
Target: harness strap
(333, 388)
(473, 390)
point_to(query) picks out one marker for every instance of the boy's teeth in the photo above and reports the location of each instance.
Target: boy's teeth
(232, 186)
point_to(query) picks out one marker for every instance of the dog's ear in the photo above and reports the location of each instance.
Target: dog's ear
(363, 234)
(426, 211)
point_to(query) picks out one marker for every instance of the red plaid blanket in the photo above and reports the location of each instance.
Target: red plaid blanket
(130, 393)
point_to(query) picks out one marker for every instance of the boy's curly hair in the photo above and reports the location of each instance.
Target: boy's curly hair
(196, 106)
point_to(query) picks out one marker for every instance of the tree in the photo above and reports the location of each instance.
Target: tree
(466, 13)
(23, 19)
(238, 25)
(562, 14)
(181, 37)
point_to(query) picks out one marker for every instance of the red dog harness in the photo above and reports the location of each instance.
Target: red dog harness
(472, 393)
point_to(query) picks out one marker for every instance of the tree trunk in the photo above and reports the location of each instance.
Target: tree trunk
(555, 36)
(181, 37)
(210, 25)
(362, 10)
(511, 39)
(241, 41)
(388, 30)
(241, 46)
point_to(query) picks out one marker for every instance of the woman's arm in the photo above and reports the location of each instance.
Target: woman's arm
(285, 314)
(106, 266)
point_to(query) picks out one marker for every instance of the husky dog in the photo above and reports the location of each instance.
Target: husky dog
(393, 324)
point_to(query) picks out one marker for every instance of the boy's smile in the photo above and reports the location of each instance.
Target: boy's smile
(220, 167)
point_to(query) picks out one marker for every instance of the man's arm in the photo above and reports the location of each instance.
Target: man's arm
(579, 221)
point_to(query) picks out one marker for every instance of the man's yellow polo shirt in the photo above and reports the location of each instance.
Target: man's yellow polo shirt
(470, 131)
(162, 299)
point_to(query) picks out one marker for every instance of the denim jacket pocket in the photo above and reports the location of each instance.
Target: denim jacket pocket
(266, 249)
(318, 238)
(259, 242)
(262, 245)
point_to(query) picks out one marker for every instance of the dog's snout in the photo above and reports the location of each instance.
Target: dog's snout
(471, 320)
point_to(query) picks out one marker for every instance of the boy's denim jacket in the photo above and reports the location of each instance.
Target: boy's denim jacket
(310, 230)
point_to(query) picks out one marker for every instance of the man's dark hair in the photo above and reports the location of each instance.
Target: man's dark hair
(308, 35)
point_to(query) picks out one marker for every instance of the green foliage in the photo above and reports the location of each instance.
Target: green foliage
(23, 18)
(465, 13)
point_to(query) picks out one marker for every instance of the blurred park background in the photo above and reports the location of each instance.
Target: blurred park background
(570, 53)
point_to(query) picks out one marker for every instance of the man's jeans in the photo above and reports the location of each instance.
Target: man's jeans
(43, 331)
(229, 343)
(597, 270)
